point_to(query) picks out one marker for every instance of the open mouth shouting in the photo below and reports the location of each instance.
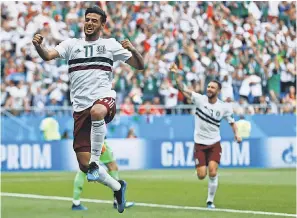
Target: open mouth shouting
(89, 29)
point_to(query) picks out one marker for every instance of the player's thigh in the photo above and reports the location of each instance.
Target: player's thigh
(214, 159)
(108, 106)
(98, 111)
(82, 131)
(200, 161)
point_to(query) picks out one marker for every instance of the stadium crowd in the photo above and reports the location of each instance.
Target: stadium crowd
(249, 46)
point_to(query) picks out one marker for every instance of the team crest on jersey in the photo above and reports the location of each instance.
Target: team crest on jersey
(101, 49)
(218, 113)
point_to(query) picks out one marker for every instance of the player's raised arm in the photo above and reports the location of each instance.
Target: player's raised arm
(136, 60)
(44, 53)
(182, 87)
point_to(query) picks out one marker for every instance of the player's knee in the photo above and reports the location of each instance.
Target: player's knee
(212, 173)
(201, 175)
(113, 166)
(98, 112)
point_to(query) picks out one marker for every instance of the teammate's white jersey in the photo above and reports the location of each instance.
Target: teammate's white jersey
(208, 117)
(90, 68)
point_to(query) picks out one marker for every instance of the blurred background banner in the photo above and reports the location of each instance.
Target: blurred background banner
(27, 127)
(138, 154)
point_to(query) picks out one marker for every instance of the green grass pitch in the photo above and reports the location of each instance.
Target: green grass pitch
(272, 190)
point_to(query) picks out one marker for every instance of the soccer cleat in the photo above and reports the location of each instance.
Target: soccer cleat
(78, 207)
(93, 172)
(115, 204)
(210, 205)
(120, 196)
(129, 204)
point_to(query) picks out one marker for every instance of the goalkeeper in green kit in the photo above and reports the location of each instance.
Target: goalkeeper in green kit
(109, 161)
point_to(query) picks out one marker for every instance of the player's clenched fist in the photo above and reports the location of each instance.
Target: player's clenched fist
(127, 45)
(37, 39)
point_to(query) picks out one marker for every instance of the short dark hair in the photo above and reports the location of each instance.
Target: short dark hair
(97, 10)
(218, 83)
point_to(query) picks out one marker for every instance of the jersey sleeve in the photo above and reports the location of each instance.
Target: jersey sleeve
(196, 98)
(119, 53)
(229, 114)
(64, 48)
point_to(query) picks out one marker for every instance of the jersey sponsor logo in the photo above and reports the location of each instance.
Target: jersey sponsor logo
(77, 51)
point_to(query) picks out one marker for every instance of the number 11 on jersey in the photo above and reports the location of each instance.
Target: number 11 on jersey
(88, 49)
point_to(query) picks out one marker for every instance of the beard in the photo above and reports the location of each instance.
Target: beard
(211, 95)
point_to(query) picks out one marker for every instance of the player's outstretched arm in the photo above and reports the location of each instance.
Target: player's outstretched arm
(182, 87)
(136, 60)
(44, 53)
(235, 131)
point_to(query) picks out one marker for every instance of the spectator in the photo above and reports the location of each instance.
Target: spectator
(263, 107)
(170, 96)
(131, 134)
(145, 108)
(4, 94)
(135, 93)
(227, 88)
(49, 127)
(244, 127)
(127, 108)
(155, 110)
(254, 42)
(290, 100)
(241, 106)
(17, 100)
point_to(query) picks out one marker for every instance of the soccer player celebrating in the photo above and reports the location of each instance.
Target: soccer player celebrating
(106, 158)
(209, 113)
(90, 61)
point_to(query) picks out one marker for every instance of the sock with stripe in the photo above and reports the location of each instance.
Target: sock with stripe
(98, 133)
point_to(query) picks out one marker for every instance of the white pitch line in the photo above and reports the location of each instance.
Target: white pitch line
(6, 194)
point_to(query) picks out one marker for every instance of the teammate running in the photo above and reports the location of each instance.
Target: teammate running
(90, 61)
(209, 113)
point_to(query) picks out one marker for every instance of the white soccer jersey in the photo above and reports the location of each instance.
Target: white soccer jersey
(90, 68)
(208, 117)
